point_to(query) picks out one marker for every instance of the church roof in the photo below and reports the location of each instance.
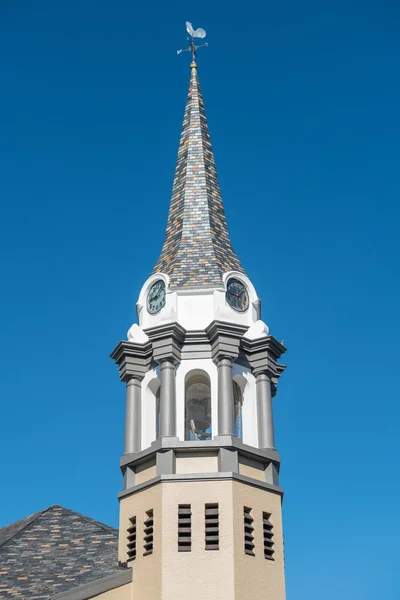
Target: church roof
(197, 248)
(54, 551)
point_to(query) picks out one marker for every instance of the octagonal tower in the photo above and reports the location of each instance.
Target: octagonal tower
(200, 510)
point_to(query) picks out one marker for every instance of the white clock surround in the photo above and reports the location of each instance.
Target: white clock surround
(195, 308)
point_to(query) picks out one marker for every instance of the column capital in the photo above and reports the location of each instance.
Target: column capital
(221, 357)
(167, 341)
(262, 375)
(225, 339)
(134, 380)
(168, 363)
(133, 359)
(262, 354)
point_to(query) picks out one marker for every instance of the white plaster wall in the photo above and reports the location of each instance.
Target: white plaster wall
(149, 383)
(241, 374)
(166, 314)
(247, 383)
(204, 364)
(149, 407)
(196, 309)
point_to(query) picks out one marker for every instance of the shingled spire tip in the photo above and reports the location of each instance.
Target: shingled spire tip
(197, 249)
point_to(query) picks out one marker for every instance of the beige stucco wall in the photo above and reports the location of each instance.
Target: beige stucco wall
(187, 463)
(146, 582)
(205, 573)
(251, 468)
(122, 593)
(145, 472)
(224, 574)
(256, 577)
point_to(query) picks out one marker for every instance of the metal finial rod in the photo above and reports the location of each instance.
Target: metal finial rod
(194, 33)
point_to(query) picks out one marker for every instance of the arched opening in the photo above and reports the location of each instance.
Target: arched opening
(158, 393)
(198, 406)
(154, 402)
(238, 410)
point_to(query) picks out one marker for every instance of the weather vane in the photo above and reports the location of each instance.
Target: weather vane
(194, 33)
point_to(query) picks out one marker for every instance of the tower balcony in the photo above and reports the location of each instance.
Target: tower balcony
(224, 457)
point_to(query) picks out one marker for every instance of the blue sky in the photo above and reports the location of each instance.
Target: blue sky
(303, 107)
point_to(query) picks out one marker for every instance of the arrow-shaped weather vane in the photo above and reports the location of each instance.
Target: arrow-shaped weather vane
(194, 33)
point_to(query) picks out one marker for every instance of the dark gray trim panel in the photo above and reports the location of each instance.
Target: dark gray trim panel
(229, 442)
(99, 586)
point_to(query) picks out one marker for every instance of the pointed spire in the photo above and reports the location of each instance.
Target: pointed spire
(197, 249)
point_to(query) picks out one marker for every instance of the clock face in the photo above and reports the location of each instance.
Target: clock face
(156, 297)
(237, 296)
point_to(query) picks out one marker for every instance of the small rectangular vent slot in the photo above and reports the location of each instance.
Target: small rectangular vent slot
(268, 535)
(148, 533)
(132, 539)
(248, 531)
(184, 528)
(212, 526)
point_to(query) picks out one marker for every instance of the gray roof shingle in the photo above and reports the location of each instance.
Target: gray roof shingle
(54, 551)
(197, 249)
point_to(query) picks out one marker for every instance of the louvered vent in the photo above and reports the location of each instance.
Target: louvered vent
(268, 535)
(248, 531)
(132, 539)
(148, 533)
(212, 526)
(184, 528)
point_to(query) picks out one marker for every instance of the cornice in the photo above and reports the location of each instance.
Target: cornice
(196, 446)
(201, 477)
(262, 355)
(167, 340)
(133, 359)
(225, 339)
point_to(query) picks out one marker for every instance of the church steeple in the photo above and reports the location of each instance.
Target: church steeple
(197, 248)
(201, 499)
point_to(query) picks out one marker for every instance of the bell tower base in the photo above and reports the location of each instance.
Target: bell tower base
(208, 537)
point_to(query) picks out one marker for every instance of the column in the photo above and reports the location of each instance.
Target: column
(167, 399)
(264, 412)
(133, 416)
(225, 397)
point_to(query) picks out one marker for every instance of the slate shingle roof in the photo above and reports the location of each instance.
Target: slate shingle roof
(54, 551)
(197, 248)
